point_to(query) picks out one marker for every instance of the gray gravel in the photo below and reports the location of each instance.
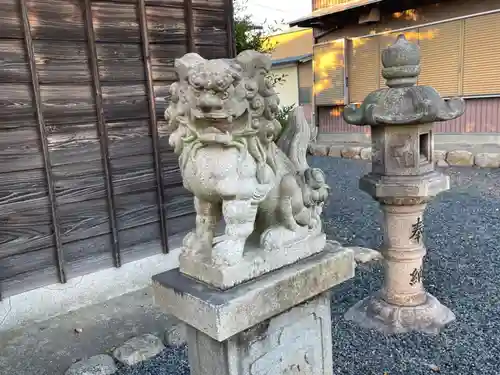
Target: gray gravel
(461, 270)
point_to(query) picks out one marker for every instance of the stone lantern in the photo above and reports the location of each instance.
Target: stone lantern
(403, 181)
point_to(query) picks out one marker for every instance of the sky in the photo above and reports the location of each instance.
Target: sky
(278, 10)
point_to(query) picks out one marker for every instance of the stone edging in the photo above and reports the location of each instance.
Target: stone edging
(132, 352)
(443, 158)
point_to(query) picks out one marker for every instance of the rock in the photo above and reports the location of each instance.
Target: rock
(439, 155)
(335, 152)
(97, 365)
(442, 163)
(487, 160)
(460, 158)
(365, 255)
(138, 349)
(350, 152)
(319, 150)
(176, 335)
(366, 153)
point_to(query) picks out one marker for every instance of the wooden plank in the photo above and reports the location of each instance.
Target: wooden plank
(210, 4)
(115, 22)
(14, 66)
(16, 105)
(79, 182)
(102, 133)
(153, 125)
(68, 104)
(85, 219)
(56, 19)
(120, 62)
(20, 150)
(229, 18)
(209, 28)
(25, 218)
(59, 258)
(29, 280)
(133, 174)
(21, 190)
(19, 264)
(166, 25)
(61, 61)
(124, 101)
(73, 143)
(162, 94)
(189, 24)
(212, 52)
(129, 138)
(10, 19)
(34, 269)
(163, 59)
(165, 3)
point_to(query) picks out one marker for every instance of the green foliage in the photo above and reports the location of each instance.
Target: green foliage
(248, 34)
(283, 115)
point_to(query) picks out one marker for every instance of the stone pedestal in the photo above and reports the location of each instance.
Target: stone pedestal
(403, 181)
(254, 300)
(276, 324)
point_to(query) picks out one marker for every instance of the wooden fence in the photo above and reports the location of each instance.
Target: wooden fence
(87, 179)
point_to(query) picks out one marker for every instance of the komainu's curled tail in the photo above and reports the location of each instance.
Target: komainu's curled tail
(295, 139)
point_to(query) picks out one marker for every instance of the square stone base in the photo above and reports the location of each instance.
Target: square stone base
(221, 314)
(298, 341)
(255, 262)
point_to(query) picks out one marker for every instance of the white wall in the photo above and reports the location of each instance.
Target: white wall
(288, 90)
(47, 302)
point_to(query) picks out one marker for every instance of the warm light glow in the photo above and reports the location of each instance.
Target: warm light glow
(469, 128)
(325, 62)
(273, 40)
(328, 58)
(321, 4)
(407, 15)
(337, 112)
(412, 36)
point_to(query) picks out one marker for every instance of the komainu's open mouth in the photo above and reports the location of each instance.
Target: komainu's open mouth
(213, 115)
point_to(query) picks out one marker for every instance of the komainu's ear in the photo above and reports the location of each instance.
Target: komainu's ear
(254, 63)
(183, 64)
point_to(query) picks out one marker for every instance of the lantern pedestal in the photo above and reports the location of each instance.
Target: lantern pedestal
(402, 305)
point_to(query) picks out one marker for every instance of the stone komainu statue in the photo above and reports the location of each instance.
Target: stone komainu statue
(222, 115)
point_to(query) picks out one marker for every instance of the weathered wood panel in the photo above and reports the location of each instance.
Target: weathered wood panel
(64, 104)
(209, 27)
(16, 105)
(56, 19)
(63, 68)
(25, 223)
(163, 59)
(19, 149)
(120, 62)
(13, 64)
(10, 19)
(124, 101)
(166, 25)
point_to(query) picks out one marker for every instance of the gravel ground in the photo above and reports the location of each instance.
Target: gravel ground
(461, 270)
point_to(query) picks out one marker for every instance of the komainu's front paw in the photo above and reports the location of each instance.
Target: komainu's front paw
(228, 252)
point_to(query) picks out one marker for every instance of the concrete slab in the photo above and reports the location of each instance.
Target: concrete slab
(51, 347)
